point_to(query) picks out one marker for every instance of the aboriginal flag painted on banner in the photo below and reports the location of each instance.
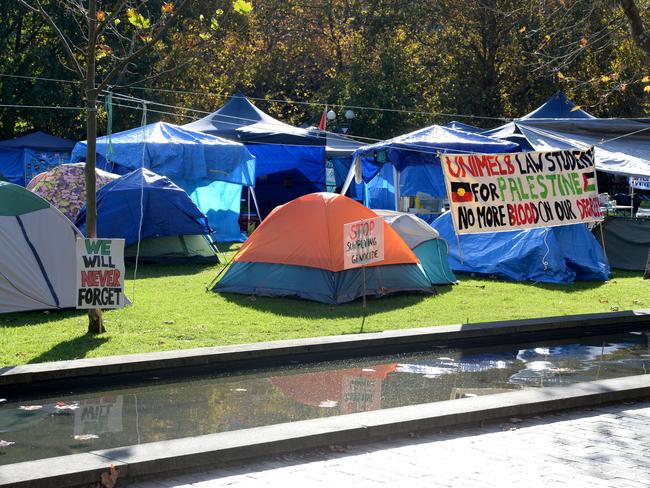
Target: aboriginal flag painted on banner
(461, 192)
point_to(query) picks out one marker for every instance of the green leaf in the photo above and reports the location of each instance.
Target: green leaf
(137, 19)
(214, 24)
(242, 7)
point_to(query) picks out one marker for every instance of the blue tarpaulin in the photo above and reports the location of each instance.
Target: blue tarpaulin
(204, 165)
(176, 152)
(167, 209)
(287, 172)
(24, 157)
(554, 255)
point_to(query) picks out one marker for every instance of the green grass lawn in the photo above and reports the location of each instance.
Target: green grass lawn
(172, 310)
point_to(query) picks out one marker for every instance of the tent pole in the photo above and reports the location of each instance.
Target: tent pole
(602, 238)
(257, 208)
(348, 178)
(396, 187)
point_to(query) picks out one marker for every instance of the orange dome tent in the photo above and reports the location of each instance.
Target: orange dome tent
(298, 250)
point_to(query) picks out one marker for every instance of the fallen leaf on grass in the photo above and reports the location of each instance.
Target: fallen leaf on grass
(614, 309)
(85, 437)
(169, 322)
(603, 300)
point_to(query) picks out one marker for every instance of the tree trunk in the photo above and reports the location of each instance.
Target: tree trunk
(95, 321)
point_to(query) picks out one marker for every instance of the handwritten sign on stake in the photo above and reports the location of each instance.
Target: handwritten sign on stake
(363, 242)
(100, 273)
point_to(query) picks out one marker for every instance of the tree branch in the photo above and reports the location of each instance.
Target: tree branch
(639, 34)
(55, 28)
(158, 35)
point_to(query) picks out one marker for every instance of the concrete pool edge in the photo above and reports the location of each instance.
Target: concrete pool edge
(215, 450)
(269, 352)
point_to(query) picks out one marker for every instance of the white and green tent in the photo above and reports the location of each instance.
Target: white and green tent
(37, 253)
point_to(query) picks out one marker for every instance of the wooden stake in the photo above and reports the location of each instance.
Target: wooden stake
(602, 238)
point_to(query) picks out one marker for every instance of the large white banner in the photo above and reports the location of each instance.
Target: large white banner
(501, 192)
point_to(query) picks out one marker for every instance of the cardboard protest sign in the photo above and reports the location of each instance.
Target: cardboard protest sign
(100, 273)
(363, 242)
(501, 192)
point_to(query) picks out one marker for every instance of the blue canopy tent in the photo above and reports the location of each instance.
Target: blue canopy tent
(551, 255)
(164, 209)
(26, 156)
(290, 161)
(414, 161)
(210, 169)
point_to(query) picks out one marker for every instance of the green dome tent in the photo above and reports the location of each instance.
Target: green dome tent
(37, 253)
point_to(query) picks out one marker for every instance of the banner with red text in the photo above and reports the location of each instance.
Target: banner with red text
(501, 192)
(100, 273)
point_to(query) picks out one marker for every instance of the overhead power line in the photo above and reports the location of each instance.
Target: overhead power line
(273, 100)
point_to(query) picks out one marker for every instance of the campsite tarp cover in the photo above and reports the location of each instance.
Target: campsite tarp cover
(298, 251)
(37, 253)
(622, 146)
(415, 156)
(557, 255)
(168, 210)
(24, 157)
(210, 169)
(290, 161)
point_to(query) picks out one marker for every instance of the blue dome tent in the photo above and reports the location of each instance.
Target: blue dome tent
(172, 226)
(290, 161)
(24, 157)
(210, 169)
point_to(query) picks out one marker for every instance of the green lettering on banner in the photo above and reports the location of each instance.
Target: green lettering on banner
(106, 247)
(93, 247)
(575, 178)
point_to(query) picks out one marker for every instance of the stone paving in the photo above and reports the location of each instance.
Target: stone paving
(601, 447)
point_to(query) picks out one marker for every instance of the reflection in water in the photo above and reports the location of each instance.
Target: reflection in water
(171, 407)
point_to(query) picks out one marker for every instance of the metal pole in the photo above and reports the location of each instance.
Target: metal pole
(257, 209)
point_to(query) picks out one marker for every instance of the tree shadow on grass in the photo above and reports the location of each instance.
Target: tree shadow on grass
(160, 270)
(307, 309)
(76, 348)
(37, 317)
(565, 288)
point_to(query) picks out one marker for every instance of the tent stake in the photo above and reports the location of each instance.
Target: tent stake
(602, 238)
(363, 281)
